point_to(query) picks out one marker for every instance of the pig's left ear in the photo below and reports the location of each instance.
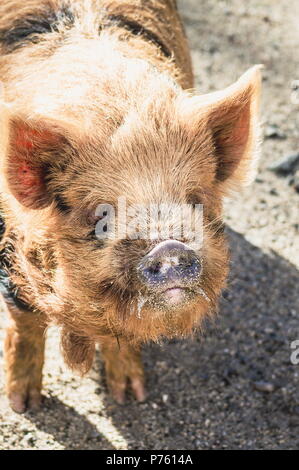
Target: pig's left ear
(231, 120)
(32, 149)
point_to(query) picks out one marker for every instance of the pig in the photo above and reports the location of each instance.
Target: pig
(98, 110)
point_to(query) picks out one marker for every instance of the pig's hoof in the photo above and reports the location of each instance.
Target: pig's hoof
(138, 389)
(118, 390)
(28, 401)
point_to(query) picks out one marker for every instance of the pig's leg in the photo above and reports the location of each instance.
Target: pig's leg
(123, 366)
(24, 357)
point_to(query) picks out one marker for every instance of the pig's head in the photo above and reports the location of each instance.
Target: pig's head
(169, 151)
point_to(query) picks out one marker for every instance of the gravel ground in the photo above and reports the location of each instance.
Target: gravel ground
(235, 388)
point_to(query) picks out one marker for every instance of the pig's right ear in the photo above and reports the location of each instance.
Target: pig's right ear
(31, 149)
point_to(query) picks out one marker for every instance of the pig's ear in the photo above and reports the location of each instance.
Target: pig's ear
(31, 150)
(231, 117)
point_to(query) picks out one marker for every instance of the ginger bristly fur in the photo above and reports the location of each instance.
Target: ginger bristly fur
(98, 106)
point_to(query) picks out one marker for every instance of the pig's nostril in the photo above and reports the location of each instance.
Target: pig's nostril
(155, 268)
(184, 260)
(189, 263)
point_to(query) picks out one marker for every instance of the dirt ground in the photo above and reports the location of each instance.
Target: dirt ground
(236, 388)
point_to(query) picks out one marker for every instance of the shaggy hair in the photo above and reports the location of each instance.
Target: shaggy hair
(97, 105)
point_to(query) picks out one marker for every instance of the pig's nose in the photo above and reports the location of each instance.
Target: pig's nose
(170, 263)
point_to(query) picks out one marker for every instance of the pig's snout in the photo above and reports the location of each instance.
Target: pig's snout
(171, 264)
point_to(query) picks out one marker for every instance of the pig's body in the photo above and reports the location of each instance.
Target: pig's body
(97, 111)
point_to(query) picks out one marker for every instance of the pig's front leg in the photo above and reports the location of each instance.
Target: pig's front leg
(123, 368)
(24, 357)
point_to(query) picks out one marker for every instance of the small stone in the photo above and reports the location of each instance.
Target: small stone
(29, 439)
(274, 192)
(286, 165)
(273, 132)
(262, 386)
(165, 398)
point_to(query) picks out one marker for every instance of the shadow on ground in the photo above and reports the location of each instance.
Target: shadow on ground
(66, 425)
(212, 392)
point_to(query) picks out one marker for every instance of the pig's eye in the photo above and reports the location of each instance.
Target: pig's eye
(92, 219)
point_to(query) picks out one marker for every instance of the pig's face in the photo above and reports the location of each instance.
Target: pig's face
(150, 273)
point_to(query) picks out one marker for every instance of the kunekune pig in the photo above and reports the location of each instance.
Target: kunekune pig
(96, 108)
